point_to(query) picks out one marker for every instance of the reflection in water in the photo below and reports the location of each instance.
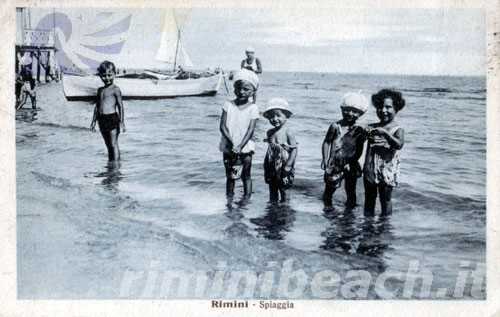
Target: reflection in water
(346, 234)
(111, 176)
(278, 220)
(376, 235)
(101, 240)
(342, 234)
(235, 212)
(27, 115)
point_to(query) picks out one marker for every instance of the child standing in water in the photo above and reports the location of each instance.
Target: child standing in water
(237, 126)
(281, 152)
(108, 111)
(342, 148)
(385, 140)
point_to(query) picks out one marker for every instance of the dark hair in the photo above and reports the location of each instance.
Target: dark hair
(105, 66)
(397, 99)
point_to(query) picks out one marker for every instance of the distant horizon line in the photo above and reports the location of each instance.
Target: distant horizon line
(378, 74)
(333, 72)
(156, 68)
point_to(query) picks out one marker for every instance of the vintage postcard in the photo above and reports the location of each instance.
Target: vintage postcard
(233, 158)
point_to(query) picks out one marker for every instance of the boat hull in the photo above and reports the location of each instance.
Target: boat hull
(85, 87)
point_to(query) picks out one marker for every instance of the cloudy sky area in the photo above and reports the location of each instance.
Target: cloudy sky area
(393, 41)
(410, 41)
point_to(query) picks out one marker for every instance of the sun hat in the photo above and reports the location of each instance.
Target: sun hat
(356, 101)
(250, 49)
(247, 75)
(277, 104)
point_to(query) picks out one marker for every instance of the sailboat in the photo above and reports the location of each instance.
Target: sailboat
(166, 83)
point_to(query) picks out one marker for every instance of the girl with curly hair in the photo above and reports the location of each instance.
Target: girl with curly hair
(385, 140)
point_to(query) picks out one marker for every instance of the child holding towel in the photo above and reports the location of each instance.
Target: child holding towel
(281, 152)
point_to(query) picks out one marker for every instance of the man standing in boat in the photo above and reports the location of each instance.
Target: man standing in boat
(252, 63)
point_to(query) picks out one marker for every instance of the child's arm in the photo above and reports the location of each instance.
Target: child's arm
(267, 165)
(327, 143)
(292, 143)
(269, 133)
(247, 137)
(223, 128)
(121, 112)
(360, 142)
(94, 119)
(395, 141)
(259, 66)
(96, 110)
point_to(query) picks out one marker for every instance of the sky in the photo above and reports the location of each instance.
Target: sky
(376, 40)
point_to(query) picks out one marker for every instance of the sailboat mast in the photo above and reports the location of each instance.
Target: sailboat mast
(54, 24)
(177, 47)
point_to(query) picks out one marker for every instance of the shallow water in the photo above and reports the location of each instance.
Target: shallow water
(82, 225)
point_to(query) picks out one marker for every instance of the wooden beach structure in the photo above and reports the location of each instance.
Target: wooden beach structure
(35, 48)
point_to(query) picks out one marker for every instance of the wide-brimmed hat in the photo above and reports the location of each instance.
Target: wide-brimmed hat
(277, 104)
(250, 49)
(247, 75)
(356, 101)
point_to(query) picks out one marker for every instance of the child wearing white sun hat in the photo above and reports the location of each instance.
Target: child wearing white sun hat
(281, 153)
(237, 125)
(342, 148)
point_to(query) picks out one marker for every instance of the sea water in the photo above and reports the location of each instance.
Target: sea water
(82, 226)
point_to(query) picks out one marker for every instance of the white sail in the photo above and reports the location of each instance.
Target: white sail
(171, 49)
(185, 59)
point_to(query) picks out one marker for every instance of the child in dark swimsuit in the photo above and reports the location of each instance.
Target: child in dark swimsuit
(109, 110)
(282, 150)
(342, 148)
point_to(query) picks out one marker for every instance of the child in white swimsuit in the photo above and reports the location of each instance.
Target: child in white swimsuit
(237, 125)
